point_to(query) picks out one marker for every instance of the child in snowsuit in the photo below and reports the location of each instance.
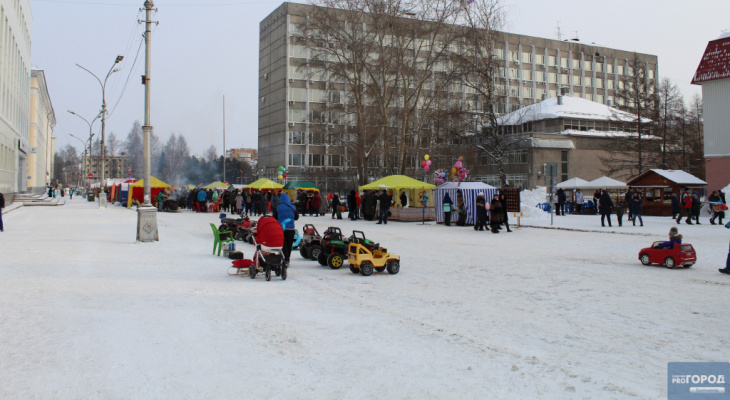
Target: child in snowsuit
(674, 238)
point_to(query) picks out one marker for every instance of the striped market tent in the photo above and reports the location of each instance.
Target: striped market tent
(469, 190)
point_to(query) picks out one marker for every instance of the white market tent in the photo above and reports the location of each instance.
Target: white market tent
(469, 191)
(605, 182)
(572, 183)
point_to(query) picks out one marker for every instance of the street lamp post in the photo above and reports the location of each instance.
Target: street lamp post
(102, 197)
(91, 134)
(146, 213)
(83, 143)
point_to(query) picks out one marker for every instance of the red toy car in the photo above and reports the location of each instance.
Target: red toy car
(681, 255)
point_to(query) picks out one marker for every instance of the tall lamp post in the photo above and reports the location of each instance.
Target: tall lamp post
(146, 213)
(91, 133)
(83, 143)
(102, 196)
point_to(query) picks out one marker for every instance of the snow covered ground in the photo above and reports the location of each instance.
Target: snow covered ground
(538, 313)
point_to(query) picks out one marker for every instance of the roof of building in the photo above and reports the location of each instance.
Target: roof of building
(571, 107)
(715, 63)
(675, 175)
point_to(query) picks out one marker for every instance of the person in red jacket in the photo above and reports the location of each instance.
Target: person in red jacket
(316, 203)
(358, 203)
(685, 203)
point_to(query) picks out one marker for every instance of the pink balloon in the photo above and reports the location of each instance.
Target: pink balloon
(428, 162)
(426, 168)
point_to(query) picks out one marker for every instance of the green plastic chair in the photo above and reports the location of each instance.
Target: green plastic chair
(218, 241)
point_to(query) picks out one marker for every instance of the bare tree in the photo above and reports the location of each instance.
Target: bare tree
(383, 53)
(134, 145)
(211, 154)
(112, 144)
(669, 101)
(176, 150)
(478, 67)
(68, 166)
(635, 149)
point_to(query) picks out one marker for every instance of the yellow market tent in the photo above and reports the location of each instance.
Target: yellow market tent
(292, 187)
(136, 190)
(217, 185)
(263, 184)
(402, 183)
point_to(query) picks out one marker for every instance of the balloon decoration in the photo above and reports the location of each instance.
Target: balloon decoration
(426, 163)
(440, 176)
(459, 172)
(423, 198)
(282, 172)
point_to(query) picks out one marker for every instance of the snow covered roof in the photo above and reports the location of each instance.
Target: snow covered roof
(604, 182)
(676, 176)
(572, 107)
(572, 183)
(715, 63)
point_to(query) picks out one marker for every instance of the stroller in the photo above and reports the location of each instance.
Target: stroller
(268, 239)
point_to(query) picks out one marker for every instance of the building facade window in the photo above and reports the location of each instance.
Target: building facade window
(296, 159)
(316, 160)
(564, 166)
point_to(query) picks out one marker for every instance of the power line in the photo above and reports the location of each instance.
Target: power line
(128, 76)
(235, 3)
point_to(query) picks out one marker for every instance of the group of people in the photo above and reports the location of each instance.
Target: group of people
(686, 205)
(237, 201)
(689, 205)
(491, 214)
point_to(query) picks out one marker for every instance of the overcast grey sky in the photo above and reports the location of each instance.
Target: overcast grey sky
(204, 50)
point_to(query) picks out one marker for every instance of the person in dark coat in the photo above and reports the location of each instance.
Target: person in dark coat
(2, 205)
(722, 199)
(286, 212)
(448, 206)
(505, 216)
(369, 201)
(481, 205)
(620, 209)
(605, 205)
(461, 221)
(675, 206)
(336, 207)
(403, 199)
(560, 206)
(384, 200)
(628, 199)
(302, 201)
(726, 270)
(696, 207)
(495, 214)
(351, 205)
(636, 203)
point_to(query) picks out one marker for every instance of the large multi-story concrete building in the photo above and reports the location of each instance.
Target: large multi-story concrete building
(713, 74)
(15, 45)
(40, 134)
(115, 166)
(246, 155)
(293, 103)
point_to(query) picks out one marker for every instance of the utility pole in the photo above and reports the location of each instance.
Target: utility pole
(146, 213)
(224, 138)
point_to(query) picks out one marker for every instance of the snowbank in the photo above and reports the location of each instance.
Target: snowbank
(529, 199)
